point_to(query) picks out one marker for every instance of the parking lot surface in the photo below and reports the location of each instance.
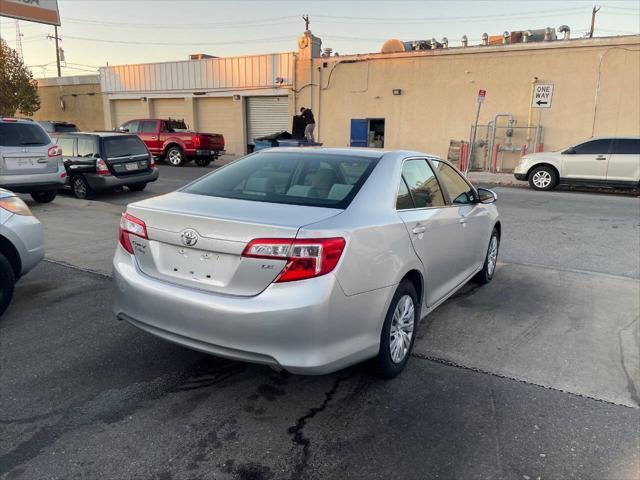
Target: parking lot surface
(534, 376)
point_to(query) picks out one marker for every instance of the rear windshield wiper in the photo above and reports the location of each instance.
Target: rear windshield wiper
(33, 143)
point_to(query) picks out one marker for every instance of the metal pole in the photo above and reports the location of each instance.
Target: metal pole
(473, 140)
(57, 50)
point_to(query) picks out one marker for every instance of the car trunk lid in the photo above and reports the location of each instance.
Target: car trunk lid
(27, 160)
(197, 241)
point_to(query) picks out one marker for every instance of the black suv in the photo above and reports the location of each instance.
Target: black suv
(102, 161)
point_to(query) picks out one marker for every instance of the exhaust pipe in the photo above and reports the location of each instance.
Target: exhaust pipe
(464, 41)
(566, 31)
(485, 39)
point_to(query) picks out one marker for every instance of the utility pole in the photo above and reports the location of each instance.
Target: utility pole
(19, 40)
(306, 22)
(593, 20)
(56, 38)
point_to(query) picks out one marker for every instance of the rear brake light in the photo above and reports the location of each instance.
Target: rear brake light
(5, 119)
(197, 141)
(152, 162)
(306, 258)
(101, 167)
(130, 225)
(54, 151)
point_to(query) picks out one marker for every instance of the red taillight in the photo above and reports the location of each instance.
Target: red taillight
(152, 161)
(5, 119)
(101, 167)
(130, 225)
(305, 258)
(54, 151)
(197, 141)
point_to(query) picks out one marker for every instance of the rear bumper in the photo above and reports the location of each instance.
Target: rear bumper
(27, 236)
(106, 182)
(306, 327)
(34, 183)
(208, 153)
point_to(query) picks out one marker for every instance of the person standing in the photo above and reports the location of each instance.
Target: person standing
(310, 122)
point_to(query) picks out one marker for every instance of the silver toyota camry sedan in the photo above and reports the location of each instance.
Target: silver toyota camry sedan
(307, 260)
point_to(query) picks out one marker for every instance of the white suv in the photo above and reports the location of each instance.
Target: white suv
(604, 161)
(29, 160)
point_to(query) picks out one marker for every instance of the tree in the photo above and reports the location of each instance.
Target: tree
(18, 89)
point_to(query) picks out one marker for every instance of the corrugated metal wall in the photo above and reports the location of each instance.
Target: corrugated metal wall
(258, 71)
(267, 115)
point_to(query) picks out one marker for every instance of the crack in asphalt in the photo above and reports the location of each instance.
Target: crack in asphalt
(631, 386)
(297, 432)
(450, 363)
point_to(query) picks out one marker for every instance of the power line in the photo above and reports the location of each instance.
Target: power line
(174, 44)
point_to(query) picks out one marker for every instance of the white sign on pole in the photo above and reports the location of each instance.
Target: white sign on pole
(41, 11)
(542, 96)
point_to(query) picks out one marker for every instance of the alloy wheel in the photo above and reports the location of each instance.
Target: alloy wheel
(492, 255)
(175, 157)
(542, 179)
(79, 187)
(401, 332)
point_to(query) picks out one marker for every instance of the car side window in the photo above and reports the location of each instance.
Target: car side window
(460, 192)
(404, 201)
(86, 147)
(148, 127)
(593, 147)
(422, 183)
(66, 143)
(627, 146)
(133, 126)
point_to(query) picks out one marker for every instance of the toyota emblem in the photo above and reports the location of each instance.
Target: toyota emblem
(189, 237)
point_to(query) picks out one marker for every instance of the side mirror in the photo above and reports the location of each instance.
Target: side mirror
(123, 130)
(487, 196)
(569, 151)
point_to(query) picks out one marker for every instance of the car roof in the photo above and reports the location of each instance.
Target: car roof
(350, 151)
(95, 134)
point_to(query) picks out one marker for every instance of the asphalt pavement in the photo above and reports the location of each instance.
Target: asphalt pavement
(535, 376)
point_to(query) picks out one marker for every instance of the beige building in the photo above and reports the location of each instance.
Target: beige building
(75, 99)
(420, 100)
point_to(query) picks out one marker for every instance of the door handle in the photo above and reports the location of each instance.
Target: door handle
(600, 157)
(417, 230)
(153, 137)
(463, 220)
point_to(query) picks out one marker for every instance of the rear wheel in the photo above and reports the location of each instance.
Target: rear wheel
(175, 157)
(398, 331)
(7, 283)
(80, 187)
(491, 260)
(203, 162)
(137, 187)
(543, 178)
(44, 196)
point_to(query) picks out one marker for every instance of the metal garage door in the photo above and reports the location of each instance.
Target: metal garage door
(126, 110)
(266, 115)
(169, 108)
(221, 115)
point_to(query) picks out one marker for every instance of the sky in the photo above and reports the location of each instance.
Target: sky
(99, 32)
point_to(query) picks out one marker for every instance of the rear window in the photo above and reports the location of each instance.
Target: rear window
(64, 127)
(291, 178)
(22, 134)
(123, 146)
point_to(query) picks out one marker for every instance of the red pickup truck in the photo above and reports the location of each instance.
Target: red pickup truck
(169, 139)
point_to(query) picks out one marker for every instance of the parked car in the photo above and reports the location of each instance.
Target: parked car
(170, 140)
(604, 161)
(101, 161)
(29, 160)
(305, 259)
(21, 243)
(57, 126)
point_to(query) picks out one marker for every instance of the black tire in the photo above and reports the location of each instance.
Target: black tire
(175, 156)
(485, 275)
(203, 162)
(45, 196)
(543, 178)
(137, 187)
(80, 187)
(7, 283)
(384, 364)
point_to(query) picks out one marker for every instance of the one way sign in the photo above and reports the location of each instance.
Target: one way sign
(542, 96)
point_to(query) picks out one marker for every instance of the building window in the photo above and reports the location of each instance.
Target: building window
(367, 132)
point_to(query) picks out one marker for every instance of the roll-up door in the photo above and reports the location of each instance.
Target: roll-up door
(126, 110)
(169, 108)
(267, 115)
(222, 115)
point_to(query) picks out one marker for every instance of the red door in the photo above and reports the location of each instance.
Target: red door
(149, 134)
